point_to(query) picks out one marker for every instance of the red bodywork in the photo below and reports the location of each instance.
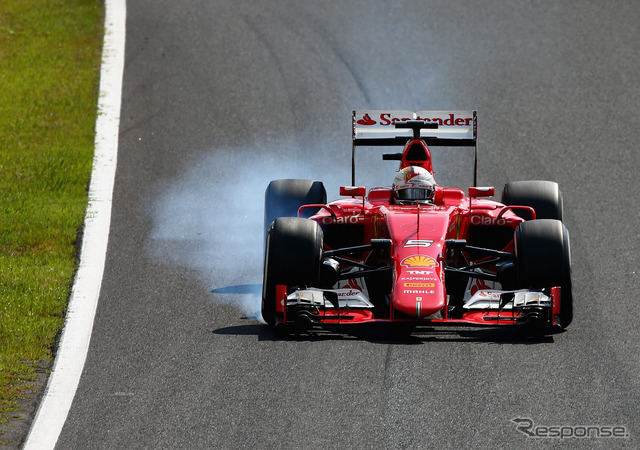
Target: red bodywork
(418, 235)
(417, 278)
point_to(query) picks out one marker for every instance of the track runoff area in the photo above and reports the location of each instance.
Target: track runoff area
(74, 343)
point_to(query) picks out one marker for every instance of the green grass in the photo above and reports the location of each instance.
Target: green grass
(49, 74)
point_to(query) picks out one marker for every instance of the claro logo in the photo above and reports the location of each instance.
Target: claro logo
(343, 219)
(485, 220)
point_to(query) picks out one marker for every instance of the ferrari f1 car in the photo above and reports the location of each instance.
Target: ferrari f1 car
(416, 252)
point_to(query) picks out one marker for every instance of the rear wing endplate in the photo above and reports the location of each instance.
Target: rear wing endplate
(448, 128)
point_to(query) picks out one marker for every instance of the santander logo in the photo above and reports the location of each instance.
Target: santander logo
(349, 293)
(366, 120)
(442, 119)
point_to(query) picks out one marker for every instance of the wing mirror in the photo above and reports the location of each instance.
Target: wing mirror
(353, 191)
(478, 192)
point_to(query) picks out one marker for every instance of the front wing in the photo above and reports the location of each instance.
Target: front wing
(316, 307)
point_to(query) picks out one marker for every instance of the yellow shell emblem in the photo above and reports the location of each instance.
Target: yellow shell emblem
(418, 261)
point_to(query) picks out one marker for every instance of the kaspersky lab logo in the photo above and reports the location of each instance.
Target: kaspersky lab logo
(528, 428)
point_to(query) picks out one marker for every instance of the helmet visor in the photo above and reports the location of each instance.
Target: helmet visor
(414, 194)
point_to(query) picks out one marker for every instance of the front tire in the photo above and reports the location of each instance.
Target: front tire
(293, 258)
(543, 260)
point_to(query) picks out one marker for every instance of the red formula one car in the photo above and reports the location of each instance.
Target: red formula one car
(416, 252)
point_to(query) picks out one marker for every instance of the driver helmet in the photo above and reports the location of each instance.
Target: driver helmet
(413, 184)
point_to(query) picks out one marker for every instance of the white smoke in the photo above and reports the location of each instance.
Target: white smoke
(210, 219)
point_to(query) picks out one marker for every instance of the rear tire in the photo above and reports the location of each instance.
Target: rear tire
(293, 258)
(543, 196)
(283, 198)
(543, 260)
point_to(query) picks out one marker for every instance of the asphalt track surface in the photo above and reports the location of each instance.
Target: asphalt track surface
(220, 97)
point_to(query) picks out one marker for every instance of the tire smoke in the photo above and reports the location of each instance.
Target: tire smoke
(210, 220)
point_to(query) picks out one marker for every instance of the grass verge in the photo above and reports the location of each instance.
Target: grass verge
(49, 75)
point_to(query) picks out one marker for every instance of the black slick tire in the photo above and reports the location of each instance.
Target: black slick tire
(543, 259)
(543, 196)
(293, 257)
(282, 198)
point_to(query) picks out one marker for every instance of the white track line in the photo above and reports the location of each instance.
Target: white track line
(74, 343)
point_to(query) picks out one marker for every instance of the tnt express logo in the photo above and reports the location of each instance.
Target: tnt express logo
(418, 261)
(386, 119)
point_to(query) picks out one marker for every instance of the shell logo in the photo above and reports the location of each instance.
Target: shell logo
(418, 261)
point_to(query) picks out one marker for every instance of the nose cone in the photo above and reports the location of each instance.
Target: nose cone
(418, 238)
(419, 290)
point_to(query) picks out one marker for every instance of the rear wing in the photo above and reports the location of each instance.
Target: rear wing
(442, 128)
